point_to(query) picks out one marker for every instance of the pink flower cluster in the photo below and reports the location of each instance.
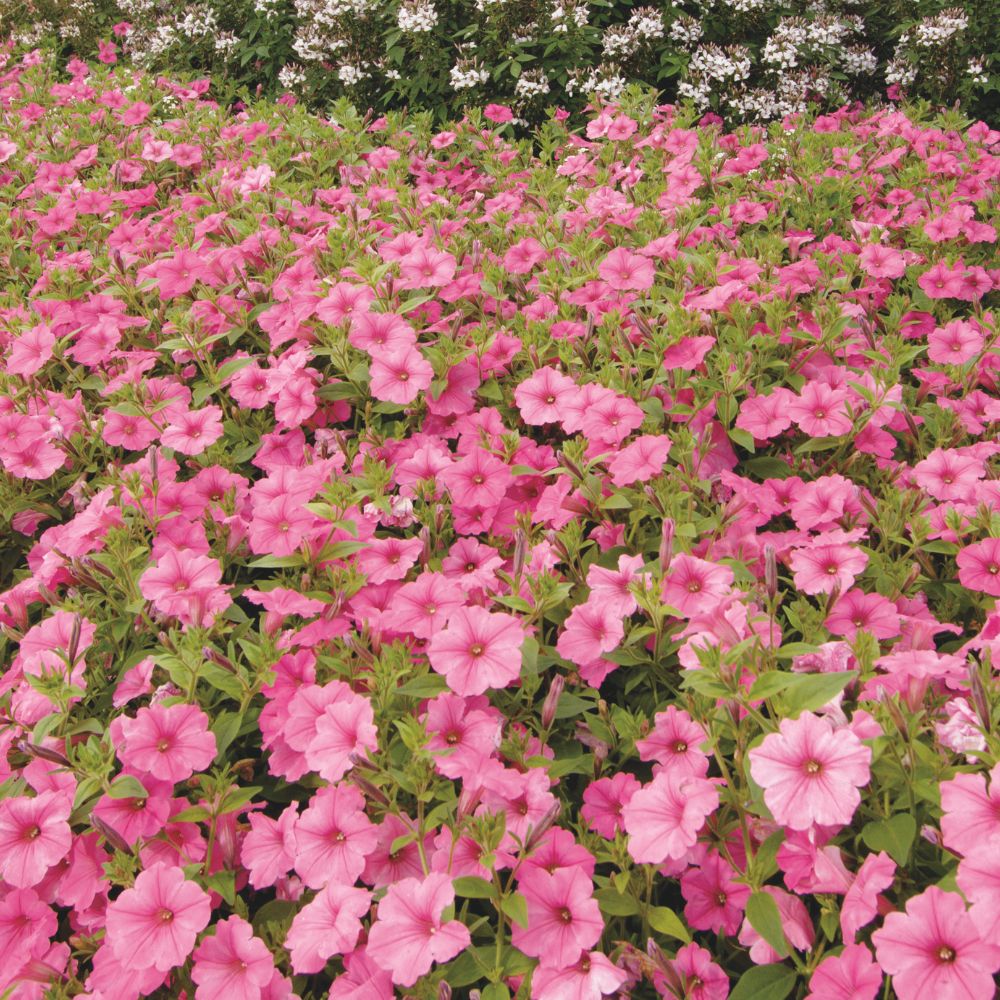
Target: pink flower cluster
(435, 565)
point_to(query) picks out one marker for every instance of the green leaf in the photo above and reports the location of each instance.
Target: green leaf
(127, 787)
(224, 883)
(193, 814)
(423, 687)
(764, 982)
(812, 691)
(770, 684)
(277, 911)
(473, 887)
(765, 919)
(664, 920)
(237, 797)
(894, 836)
(516, 907)
(616, 905)
(494, 991)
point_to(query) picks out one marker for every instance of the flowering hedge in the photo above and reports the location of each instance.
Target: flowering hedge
(744, 59)
(432, 565)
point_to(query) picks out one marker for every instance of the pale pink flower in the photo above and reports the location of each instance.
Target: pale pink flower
(409, 935)
(478, 650)
(663, 818)
(934, 950)
(34, 835)
(811, 773)
(232, 963)
(329, 925)
(170, 743)
(851, 975)
(155, 923)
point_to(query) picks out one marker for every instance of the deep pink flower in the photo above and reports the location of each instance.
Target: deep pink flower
(185, 586)
(820, 410)
(193, 431)
(675, 744)
(232, 963)
(170, 743)
(857, 611)
(971, 814)
(477, 480)
(155, 923)
(564, 919)
(409, 935)
(702, 978)
(811, 773)
(934, 949)
(603, 801)
(663, 818)
(715, 901)
(591, 629)
(979, 566)
(478, 650)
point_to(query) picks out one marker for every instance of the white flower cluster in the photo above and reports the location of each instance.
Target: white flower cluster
(566, 13)
(416, 17)
(291, 76)
(686, 31)
(976, 71)
(900, 70)
(267, 9)
(859, 60)
(466, 74)
(602, 81)
(745, 6)
(934, 31)
(349, 74)
(533, 83)
(623, 41)
(225, 43)
(713, 62)
(199, 22)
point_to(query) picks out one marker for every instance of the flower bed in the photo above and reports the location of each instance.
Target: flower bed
(433, 565)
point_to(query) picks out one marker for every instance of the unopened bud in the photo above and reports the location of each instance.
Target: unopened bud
(770, 571)
(551, 702)
(520, 551)
(111, 836)
(74, 640)
(444, 991)
(666, 544)
(370, 790)
(44, 753)
(979, 700)
(544, 824)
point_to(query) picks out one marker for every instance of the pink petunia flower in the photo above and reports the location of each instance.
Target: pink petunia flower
(715, 901)
(400, 376)
(694, 586)
(541, 396)
(591, 977)
(193, 431)
(971, 813)
(564, 919)
(603, 801)
(979, 566)
(478, 650)
(934, 949)
(860, 905)
(663, 818)
(823, 568)
(702, 978)
(591, 629)
(820, 410)
(185, 586)
(851, 975)
(623, 270)
(329, 925)
(675, 744)
(409, 934)
(641, 460)
(334, 837)
(810, 773)
(232, 963)
(857, 611)
(155, 923)
(34, 835)
(795, 924)
(170, 743)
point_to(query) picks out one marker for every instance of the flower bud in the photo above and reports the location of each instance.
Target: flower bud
(770, 571)
(551, 702)
(666, 544)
